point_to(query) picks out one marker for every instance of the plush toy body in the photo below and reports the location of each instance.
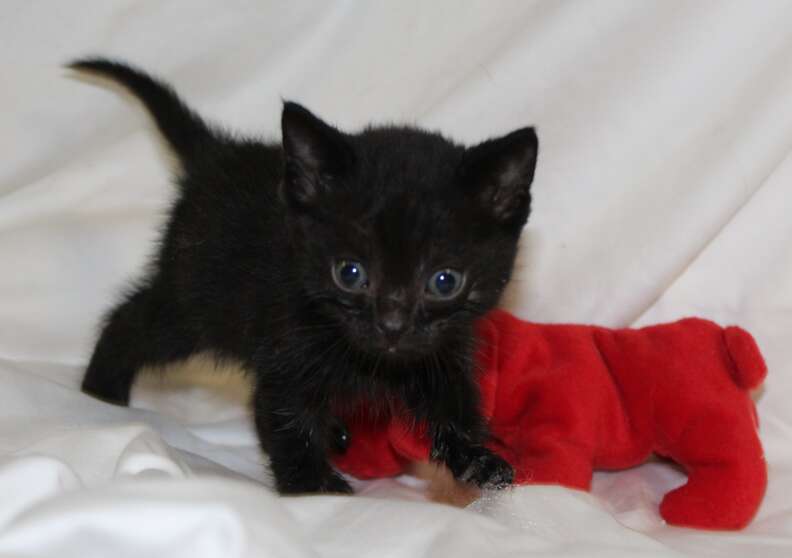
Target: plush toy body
(563, 400)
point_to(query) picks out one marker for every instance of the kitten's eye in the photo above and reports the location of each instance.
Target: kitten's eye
(444, 284)
(350, 276)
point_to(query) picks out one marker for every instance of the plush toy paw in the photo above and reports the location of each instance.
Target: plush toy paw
(724, 497)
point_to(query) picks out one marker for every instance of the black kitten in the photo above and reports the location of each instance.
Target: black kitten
(342, 270)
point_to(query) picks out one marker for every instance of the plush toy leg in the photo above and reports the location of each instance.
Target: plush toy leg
(557, 463)
(727, 475)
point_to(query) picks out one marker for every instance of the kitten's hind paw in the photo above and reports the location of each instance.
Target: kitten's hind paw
(97, 386)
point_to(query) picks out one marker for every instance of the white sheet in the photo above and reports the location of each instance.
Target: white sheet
(663, 190)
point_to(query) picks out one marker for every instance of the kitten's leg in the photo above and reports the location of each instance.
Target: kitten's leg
(297, 441)
(459, 433)
(141, 331)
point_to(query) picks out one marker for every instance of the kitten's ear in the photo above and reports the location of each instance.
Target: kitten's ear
(316, 153)
(499, 172)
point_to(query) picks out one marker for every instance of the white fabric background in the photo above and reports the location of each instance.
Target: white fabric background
(663, 190)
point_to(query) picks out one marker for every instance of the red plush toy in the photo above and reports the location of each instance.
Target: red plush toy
(562, 400)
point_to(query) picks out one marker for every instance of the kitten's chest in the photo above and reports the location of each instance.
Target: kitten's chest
(382, 390)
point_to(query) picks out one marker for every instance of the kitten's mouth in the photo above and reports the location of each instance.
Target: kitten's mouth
(398, 349)
(409, 346)
(390, 348)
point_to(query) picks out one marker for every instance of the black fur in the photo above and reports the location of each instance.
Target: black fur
(244, 271)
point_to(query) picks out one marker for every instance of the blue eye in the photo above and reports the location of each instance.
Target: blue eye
(445, 284)
(350, 276)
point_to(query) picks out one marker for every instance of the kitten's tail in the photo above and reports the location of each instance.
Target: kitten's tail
(184, 130)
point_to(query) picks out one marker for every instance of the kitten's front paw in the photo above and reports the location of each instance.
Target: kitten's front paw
(334, 484)
(487, 470)
(328, 483)
(480, 466)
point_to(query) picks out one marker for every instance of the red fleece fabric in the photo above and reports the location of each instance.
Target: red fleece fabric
(562, 400)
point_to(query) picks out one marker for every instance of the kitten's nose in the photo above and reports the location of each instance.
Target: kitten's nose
(391, 324)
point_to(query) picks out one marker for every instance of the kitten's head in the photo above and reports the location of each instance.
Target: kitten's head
(403, 237)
